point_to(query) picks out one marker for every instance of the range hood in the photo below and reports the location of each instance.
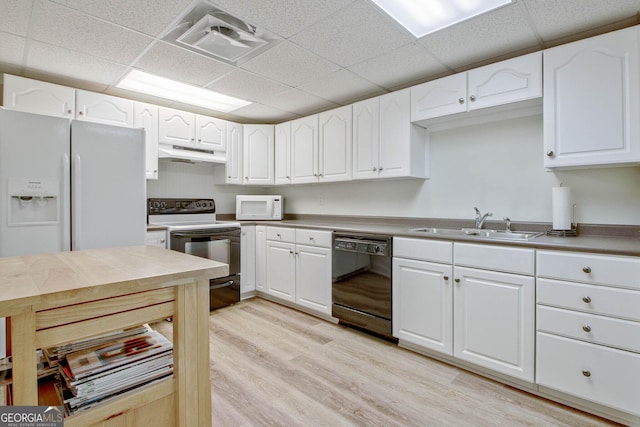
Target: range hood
(189, 155)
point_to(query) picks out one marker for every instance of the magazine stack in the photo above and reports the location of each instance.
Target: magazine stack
(106, 366)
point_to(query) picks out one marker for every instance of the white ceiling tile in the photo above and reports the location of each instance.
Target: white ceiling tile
(173, 62)
(60, 26)
(246, 85)
(259, 113)
(147, 16)
(299, 102)
(409, 63)
(11, 53)
(493, 34)
(342, 87)
(558, 18)
(284, 18)
(15, 16)
(357, 33)
(51, 60)
(290, 64)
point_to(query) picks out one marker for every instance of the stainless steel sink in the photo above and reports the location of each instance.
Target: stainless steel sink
(487, 234)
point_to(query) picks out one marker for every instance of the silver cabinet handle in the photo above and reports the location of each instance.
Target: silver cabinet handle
(278, 235)
(445, 277)
(586, 269)
(288, 177)
(375, 169)
(290, 252)
(199, 140)
(457, 280)
(472, 98)
(586, 328)
(246, 177)
(380, 168)
(550, 153)
(80, 113)
(229, 177)
(461, 100)
(586, 299)
(311, 238)
(586, 373)
(69, 111)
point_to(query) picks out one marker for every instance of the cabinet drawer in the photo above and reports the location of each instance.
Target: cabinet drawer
(500, 258)
(592, 299)
(423, 250)
(613, 375)
(313, 238)
(281, 234)
(608, 331)
(618, 271)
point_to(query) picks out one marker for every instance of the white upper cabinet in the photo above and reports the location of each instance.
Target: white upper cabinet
(514, 80)
(258, 154)
(385, 142)
(176, 127)
(234, 153)
(146, 116)
(335, 148)
(283, 154)
(304, 150)
(33, 96)
(591, 101)
(99, 108)
(211, 134)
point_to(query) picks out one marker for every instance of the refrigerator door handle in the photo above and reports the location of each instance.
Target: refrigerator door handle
(76, 179)
(66, 222)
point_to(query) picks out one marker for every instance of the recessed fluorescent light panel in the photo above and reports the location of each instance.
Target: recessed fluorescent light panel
(422, 17)
(142, 82)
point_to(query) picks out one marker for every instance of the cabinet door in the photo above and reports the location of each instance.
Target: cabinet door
(494, 321)
(98, 108)
(395, 134)
(304, 150)
(176, 127)
(423, 304)
(33, 96)
(146, 116)
(313, 278)
(261, 258)
(516, 79)
(439, 97)
(258, 154)
(248, 259)
(211, 134)
(366, 138)
(156, 238)
(335, 135)
(283, 154)
(591, 101)
(281, 270)
(234, 153)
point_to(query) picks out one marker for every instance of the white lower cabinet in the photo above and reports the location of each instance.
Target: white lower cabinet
(473, 309)
(261, 258)
(156, 238)
(588, 328)
(247, 259)
(298, 267)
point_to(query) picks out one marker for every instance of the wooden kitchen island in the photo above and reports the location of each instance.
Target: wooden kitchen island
(63, 297)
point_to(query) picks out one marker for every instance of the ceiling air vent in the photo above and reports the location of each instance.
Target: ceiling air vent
(215, 33)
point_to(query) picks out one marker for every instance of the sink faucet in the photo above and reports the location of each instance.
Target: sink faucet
(480, 219)
(507, 220)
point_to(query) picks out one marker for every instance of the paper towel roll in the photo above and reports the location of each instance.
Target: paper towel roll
(561, 205)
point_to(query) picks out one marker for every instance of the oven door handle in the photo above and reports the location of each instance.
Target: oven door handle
(203, 233)
(221, 285)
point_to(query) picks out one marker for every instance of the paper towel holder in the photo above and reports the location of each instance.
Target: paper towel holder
(567, 233)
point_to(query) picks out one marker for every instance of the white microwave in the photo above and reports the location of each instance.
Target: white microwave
(258, 207)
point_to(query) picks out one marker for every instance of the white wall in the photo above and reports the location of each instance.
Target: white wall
(199, 180)
(497, 167)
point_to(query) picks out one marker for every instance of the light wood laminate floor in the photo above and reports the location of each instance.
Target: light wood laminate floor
(275, 366)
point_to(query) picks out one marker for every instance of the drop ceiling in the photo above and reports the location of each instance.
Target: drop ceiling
(330, 53)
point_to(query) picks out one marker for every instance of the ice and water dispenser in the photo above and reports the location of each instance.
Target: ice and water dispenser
(33, 202)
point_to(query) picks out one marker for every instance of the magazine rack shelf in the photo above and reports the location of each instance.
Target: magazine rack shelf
(58, 298)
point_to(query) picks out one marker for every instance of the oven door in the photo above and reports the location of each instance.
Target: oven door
(218, 244)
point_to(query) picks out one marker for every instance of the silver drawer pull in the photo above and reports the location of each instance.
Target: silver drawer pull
(445, 277)
(586, 299)
(586, 373)
(278, 235)
(586, 328)
(586, 269)
(457, 280)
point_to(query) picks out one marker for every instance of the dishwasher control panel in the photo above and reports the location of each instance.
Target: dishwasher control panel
(372, 247)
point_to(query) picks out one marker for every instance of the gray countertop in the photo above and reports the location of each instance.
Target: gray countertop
(597, 243)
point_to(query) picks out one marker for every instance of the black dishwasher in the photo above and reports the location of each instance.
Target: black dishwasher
(361, 282)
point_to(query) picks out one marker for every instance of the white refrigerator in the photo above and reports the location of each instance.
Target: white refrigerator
(69, 185)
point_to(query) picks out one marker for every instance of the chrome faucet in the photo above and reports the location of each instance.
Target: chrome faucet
(507, 221)
(480, 219)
